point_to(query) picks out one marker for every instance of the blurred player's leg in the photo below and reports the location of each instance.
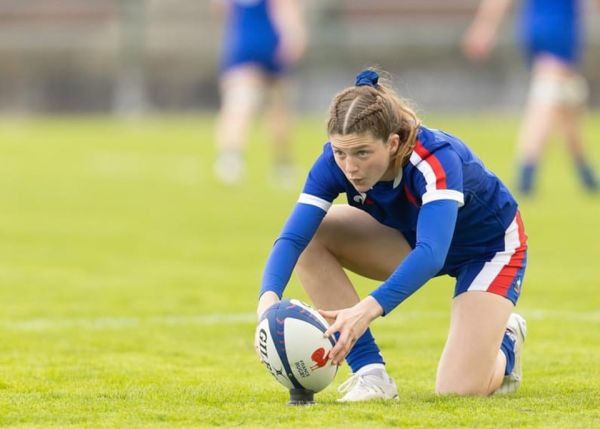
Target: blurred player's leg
(279, 121)
(557, 96)
(472, 362)
(570, 118)
(538, 120)
(350, 238)
(242, 89)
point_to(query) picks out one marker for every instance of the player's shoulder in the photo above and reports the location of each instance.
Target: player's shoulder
(430, 144)
(325, 179)
(326, 158)
(437, 143)
(325, 163)
(434, 139)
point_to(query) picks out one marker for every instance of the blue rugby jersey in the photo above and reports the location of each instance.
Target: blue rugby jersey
(441, 169)
(250, 35)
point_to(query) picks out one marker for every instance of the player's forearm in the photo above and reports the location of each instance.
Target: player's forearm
(295, 236)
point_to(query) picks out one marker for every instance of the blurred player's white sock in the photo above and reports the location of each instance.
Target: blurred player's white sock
(284, 175)
(229, 167)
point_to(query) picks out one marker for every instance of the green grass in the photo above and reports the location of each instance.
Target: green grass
(128, 282)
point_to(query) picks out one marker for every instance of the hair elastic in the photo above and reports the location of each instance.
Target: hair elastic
(367, 77)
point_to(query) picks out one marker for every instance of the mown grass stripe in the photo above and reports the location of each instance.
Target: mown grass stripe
(126, 322)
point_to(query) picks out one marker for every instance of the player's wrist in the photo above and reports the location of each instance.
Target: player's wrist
(371, 308)
(266, 300)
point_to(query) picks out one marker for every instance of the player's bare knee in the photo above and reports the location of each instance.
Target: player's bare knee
(306, 261)
(559, 91)
(330, 226)
(321, 241)
(465, 386)
(241, 98)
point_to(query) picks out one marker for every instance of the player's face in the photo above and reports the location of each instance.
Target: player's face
(364, 159)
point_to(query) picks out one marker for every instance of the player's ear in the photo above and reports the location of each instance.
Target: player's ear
(393, 143)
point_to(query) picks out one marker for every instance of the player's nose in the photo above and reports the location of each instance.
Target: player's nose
(351, 166)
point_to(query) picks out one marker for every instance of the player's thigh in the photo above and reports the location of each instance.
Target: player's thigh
(360, 243)
(469, 358)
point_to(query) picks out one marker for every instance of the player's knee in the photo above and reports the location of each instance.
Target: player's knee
(464, 385)
(459, 378)
(324, 239)
(569, 92)
(330, 226)
(241, 97)
(314, 247)
(313, 252)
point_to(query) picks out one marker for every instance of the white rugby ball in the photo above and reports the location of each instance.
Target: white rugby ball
(289, 340)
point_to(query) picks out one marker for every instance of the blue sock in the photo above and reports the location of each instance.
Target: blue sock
(364, 352)
(508, 348)
(526, 175)
(587, 175)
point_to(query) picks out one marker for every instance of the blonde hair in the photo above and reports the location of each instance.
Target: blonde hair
(376, 109)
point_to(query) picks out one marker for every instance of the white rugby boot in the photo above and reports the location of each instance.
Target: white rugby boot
(517, 330)
(372, 383)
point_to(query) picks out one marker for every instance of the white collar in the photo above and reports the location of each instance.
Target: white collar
(398, 179)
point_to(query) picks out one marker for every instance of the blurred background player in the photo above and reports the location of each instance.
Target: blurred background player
(551, 35)
(263, 39)
(405, 184)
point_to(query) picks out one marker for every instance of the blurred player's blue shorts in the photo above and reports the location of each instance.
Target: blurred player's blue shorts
(562, 42)
(263, 56)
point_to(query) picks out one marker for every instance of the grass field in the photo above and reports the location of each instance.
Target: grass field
(128, 283)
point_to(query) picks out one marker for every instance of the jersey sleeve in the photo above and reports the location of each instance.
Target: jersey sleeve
(321, 188)
(438, 174)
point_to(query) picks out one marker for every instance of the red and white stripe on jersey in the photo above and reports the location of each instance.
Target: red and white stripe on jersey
(314, 201)
(435, 176)
(498, 274)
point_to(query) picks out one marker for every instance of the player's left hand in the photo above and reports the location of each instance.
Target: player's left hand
(351, 323)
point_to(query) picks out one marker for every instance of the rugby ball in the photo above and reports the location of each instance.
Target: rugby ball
(290, 343)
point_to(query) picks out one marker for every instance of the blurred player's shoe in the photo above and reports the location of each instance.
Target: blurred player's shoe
(229, 168)
(368, 385)
(526, 177)
(587, 176)
(516, 328)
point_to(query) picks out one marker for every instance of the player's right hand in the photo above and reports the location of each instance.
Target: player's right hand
(266, 300)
